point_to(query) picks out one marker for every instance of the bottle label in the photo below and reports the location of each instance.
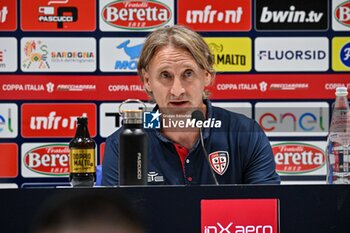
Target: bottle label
(82, 160)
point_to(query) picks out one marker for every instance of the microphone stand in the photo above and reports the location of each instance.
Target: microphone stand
(198, 115)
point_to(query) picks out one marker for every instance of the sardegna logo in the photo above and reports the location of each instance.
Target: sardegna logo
(295, 158)
(135, 15)
(42, 160)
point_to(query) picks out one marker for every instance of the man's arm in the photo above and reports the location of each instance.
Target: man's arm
(261, 168)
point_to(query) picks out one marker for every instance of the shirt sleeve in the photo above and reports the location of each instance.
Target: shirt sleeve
(110, 172)
(261, 168)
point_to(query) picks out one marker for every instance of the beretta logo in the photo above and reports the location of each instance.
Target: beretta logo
(294, 158)
(342, 13)
(291, 15)
(51, 159)
(136, 14)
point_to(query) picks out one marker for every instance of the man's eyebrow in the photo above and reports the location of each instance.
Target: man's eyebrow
(185, 65)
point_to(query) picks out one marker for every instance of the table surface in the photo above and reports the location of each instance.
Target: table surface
(176, 209)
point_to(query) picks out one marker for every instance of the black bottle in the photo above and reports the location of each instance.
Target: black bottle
(82, 159)
(133, 149)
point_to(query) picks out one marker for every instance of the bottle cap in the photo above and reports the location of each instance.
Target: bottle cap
(133, 116)
(82, 119)
(341, 91)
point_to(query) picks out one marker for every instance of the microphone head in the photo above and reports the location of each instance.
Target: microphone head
(198, 115)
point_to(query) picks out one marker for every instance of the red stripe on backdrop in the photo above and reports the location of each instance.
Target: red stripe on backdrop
(278, 86)
(118, 88)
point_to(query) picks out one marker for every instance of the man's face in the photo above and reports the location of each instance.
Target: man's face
(175, 79)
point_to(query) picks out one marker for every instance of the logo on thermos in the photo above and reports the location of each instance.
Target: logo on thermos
(139, 166)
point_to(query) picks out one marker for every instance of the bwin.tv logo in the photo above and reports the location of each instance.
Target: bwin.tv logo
(151, 120)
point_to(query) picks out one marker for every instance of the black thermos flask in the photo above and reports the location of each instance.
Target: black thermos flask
(132, 149)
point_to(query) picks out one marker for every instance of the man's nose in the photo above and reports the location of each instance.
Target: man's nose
(177, 89)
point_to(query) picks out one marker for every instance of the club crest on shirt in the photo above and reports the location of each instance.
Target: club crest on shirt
(219, 161)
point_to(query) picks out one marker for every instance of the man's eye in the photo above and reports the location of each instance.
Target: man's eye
(188, 73)
(165, 75)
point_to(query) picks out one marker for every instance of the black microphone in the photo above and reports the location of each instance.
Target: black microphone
(198, 116)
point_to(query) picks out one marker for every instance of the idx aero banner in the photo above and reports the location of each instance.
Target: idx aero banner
(291, 54)
(275, 15)
(240, 215)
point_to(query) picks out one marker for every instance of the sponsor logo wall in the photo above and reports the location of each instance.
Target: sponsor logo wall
(278, 62)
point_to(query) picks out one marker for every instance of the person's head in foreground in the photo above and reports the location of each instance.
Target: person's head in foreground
(88, 213)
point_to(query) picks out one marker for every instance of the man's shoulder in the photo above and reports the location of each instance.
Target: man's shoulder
(114, 136)
(232, 118)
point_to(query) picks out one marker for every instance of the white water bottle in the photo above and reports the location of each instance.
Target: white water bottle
(338, 143)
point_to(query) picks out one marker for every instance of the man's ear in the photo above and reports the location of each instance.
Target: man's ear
(209, 78)
(146, 80)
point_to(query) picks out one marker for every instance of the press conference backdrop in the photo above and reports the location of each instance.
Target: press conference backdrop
(278, 62)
